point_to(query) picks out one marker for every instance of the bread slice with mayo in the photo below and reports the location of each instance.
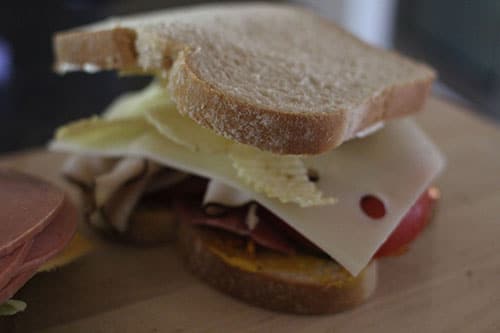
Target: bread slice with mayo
(233, 142)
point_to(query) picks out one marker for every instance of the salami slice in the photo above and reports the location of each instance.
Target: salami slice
(36, 223)
(27, 205)
(9, 264)
(15, 284)
(53, 238)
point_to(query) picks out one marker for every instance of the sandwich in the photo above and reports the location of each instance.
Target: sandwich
(273, 145)
(37, 233)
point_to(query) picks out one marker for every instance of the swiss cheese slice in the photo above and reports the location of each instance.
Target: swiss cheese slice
(396, 164)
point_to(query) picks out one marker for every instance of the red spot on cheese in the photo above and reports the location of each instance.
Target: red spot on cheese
(372, 206)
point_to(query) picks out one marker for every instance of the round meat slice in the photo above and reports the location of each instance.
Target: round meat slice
(27, 205)
(10, 263)
(15, 284)
(53, 239)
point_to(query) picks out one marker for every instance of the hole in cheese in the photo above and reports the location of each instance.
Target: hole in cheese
(372, 206)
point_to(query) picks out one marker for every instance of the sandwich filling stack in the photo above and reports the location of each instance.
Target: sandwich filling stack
(270, 142)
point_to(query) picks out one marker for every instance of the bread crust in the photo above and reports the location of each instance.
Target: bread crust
(106, 49)
(269, 129)
(283, 132)
(272, 291)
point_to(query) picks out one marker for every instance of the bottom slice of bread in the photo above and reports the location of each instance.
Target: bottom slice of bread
(303, 284)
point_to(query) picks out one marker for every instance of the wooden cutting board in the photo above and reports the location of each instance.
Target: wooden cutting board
(448, 282)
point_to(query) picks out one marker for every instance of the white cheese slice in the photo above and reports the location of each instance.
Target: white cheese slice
(396, 164)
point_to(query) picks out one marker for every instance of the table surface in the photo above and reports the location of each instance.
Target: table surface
(448, 282)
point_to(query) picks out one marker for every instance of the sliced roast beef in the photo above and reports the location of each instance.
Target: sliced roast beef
(234, 220)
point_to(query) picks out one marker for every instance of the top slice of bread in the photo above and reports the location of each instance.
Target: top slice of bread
(277, 77)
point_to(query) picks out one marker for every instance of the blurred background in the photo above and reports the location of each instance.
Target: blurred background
(460, 38)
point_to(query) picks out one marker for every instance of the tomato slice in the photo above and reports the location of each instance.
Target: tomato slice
(410, 226)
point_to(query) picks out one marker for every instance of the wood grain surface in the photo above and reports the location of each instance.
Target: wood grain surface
(448, 282)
